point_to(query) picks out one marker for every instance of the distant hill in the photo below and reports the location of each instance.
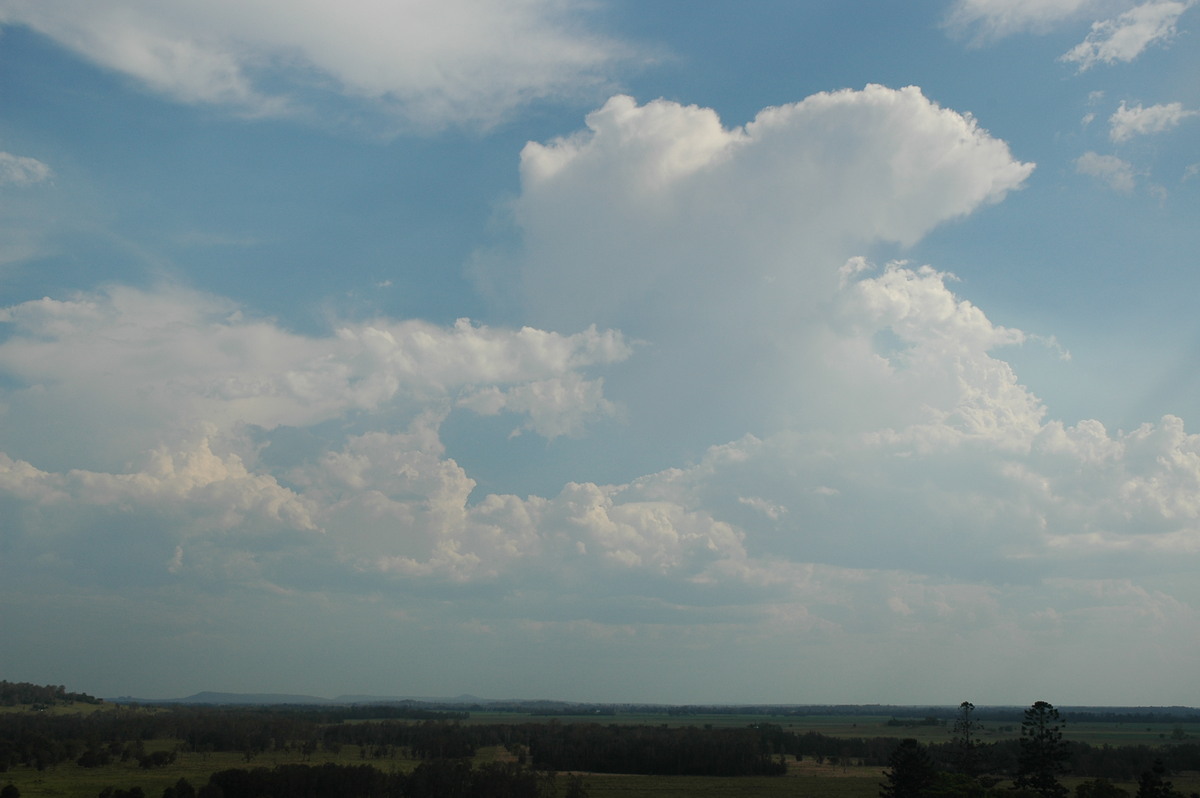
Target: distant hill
(267, 699)
(551, 707)
(208, 697)
(377, 699)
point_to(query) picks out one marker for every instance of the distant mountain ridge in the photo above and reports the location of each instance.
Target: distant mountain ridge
(550, 706)
(208, 697)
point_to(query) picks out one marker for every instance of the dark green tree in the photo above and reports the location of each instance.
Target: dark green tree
(910, 771)
(1152, 783)
(966, 740)
(182, 789)
(1043, 753)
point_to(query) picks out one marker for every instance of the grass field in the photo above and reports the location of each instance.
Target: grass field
(804, 779)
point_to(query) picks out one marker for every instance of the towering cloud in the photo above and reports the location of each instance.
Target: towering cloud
(720, 247)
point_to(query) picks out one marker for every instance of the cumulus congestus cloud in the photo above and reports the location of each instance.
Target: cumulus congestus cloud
(721, 246)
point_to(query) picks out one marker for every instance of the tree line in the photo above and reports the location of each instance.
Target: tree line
(17, 693)
(41, 740)
(967, 768)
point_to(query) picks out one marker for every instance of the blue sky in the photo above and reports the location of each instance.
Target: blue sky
(671, 351)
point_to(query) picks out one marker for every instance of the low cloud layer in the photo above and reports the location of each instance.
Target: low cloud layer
(979, 517)
(128, 369)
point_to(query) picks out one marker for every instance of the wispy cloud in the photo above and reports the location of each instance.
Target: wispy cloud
(1128, 122)
(1125, 37)
(1120, 38)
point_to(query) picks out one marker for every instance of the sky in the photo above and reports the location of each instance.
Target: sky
(615, 351)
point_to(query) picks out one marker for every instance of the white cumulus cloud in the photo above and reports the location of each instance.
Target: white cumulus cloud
(877, 164)
(125, 368)
(719, 247)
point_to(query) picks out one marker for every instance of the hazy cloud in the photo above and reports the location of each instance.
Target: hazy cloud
(17, 170)
(1118, 174)
(428, 63)
(997, 18)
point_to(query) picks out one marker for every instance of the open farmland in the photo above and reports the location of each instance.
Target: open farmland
(80, 749)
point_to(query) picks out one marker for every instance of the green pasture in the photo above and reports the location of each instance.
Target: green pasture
(804, 778)
(72, 781)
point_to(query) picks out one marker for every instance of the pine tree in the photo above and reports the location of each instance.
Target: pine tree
(911, 771)
(966, 740)
(1043, 752)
